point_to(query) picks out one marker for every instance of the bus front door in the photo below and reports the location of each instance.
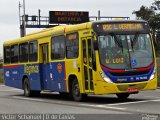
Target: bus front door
(87, 64)
(45, 82)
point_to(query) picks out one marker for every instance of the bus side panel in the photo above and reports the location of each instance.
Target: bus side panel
(45, 76)
(32, 71)
(58, 76)
(12, 76)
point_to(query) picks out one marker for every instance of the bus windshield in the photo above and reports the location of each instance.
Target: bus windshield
(125, 51)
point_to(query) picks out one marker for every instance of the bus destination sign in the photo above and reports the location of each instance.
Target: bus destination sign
(123, 27)
(68, 17)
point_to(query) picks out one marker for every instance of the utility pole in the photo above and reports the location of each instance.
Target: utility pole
(19, 6)
(99, 15)
(23, 21)
(39, 17)
(24, 17)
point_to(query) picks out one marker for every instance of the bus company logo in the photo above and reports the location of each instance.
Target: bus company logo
(31, 69)
(7, 74)
(59, 68)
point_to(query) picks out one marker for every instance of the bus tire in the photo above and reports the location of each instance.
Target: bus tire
(26, 87)
(77, 96)
(123, 96)
(27, 91)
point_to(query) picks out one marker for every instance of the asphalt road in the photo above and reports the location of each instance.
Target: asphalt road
(143, 105)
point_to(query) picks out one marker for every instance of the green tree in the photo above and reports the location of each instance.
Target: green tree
(151, 15)
(144, 13)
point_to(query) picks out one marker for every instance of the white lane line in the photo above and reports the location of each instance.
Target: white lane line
(88, 105)
(30, 99)
(10, 90)
(102, 106)
(153, 97)
(2, 85)
(156, 100)
(126, 103)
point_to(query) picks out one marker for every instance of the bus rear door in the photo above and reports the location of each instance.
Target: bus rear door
(45, 82)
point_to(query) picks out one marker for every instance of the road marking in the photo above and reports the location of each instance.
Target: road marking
(2, 85)
(156, 100)
(102, 106)
(126, 103)
(153, 97)
(81, 105)
(10, 90)
(30, 99)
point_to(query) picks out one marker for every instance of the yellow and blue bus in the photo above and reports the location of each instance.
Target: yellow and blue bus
(101, 57)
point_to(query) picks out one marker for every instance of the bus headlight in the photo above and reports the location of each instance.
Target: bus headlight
(152, 75)
(105, 78)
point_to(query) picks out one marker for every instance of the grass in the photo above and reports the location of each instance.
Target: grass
(1, 80)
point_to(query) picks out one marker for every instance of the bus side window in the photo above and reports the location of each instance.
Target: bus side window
(7, 54)
(58, 47)
(72, 45)
(23, 56)
(33, 51)
(14, 53)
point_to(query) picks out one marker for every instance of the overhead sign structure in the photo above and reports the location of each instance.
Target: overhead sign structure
(68, 17)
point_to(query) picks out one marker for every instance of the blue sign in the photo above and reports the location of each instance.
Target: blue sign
(134, 62)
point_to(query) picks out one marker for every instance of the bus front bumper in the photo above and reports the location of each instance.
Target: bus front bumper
(102, 87)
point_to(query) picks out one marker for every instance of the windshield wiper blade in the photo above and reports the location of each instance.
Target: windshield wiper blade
(117, 41)
(134, 40)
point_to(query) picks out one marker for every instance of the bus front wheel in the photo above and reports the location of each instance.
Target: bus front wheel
(123, 96)
(77, 96)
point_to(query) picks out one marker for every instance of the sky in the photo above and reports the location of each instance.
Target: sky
(9, 11)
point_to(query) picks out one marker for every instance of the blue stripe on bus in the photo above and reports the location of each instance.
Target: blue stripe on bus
(50, 76)
(129, 79)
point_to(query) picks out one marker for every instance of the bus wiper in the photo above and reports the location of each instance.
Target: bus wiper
(134, 40)
(117, 41)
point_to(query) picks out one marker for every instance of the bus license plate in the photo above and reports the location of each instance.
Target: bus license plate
(132, 90)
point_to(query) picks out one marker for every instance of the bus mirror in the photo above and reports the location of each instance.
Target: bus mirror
(95, 45)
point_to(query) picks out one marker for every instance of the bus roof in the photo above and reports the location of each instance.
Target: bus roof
(119, 21)
(58, 30)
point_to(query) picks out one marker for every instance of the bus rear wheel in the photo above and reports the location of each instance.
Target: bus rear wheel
(123, 96)
(77, 96)
(27, 91)
(26, 87)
